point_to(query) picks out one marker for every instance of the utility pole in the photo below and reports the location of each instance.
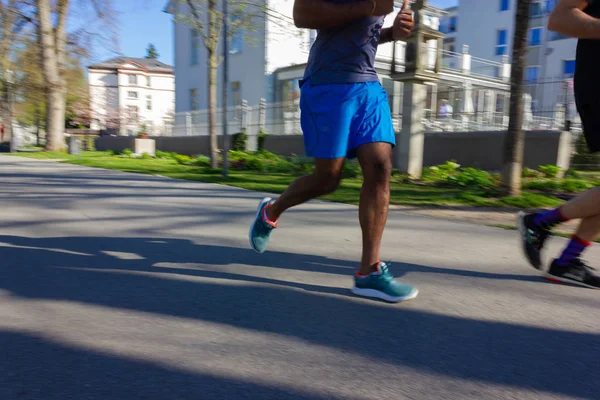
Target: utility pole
(225, 88)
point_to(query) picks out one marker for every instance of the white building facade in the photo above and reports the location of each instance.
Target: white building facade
(272, 42)
(132, 95)
(487, 28)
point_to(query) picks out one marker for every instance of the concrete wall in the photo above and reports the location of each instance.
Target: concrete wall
(470, 149)
(484, 149)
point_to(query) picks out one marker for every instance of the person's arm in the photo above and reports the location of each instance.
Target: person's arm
(322, 14)
(568, 19)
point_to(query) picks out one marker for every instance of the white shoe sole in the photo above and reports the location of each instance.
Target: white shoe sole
(376, 294)
(264, 201)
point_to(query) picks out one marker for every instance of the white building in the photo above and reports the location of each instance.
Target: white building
(487, 28)
(129, 95)
(271, 43)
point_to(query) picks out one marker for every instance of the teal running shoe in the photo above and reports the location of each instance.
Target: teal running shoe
(382, 285)
(260, 231)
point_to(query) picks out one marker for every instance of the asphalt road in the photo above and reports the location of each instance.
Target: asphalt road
(121, 286)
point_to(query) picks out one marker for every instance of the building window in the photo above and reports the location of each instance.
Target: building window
(452, 27)
(569, 68)
(535, 37)
(536, 9)
(236, 43)
(194, 99)
(194, 49)
(501, 42)
(132, 114)
(504, 5)
(532, 74)
(132, 95)
(148, 81)
(149, 103)
(133, 79)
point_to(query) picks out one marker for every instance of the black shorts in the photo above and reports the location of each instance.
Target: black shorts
(588, 106)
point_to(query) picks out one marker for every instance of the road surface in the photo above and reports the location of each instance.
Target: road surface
(122, 286)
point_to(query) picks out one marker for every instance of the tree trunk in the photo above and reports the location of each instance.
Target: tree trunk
(7, 116)
(212, 108)
(514, 142)
(53, 44)
(55, 125)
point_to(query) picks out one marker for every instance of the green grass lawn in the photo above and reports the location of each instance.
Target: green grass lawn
(411, 194)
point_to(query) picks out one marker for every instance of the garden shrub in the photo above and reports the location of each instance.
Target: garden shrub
(261, 139)
(239, 141)
(532, 173)
(472, 178)
(550, 171)
(202, 161)
(182, 159)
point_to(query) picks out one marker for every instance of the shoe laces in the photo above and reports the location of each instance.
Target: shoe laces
(537, 237)
(385, 272)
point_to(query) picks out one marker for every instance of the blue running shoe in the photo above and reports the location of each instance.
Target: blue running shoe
(260, 231)
(382, 285)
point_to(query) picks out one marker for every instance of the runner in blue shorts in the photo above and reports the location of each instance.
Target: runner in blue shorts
(345, 114)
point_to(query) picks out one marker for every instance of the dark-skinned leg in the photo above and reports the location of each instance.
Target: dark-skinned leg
(324, 180)
(376, 162)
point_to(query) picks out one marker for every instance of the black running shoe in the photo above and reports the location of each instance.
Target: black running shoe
(533, 238)
(576, 272)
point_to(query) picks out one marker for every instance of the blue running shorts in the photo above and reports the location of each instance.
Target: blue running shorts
(338, 118)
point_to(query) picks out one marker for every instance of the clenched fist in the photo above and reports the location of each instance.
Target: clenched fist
(403, 24)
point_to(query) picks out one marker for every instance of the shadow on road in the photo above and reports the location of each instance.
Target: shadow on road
(122, 273)
(33, 367)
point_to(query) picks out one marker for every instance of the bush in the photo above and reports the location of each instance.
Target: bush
(239, 141)
(351, 170)
(181, 159)
(571, 173)
(439, 173)
(261, 139)
(472, 178)
(281, 166)
(255, 164)
(202, 161)
(163, 155)
(575, 185)
(146, 156)
(553, 185)
(531, 201)
(543, 185)
(531, 173)
(303, 165)
(550, 171)
(126, 153)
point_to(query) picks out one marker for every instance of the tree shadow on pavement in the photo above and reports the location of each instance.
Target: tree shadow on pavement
(84, 270)
(36, 368)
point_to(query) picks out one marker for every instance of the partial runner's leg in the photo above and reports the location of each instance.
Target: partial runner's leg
(535, 228)
(373, 138)
(324, 180)
(326, 115)
(376, 162)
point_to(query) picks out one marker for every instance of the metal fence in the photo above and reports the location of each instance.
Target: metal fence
(548, 105)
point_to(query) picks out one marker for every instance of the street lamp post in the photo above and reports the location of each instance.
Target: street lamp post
(225, 88)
